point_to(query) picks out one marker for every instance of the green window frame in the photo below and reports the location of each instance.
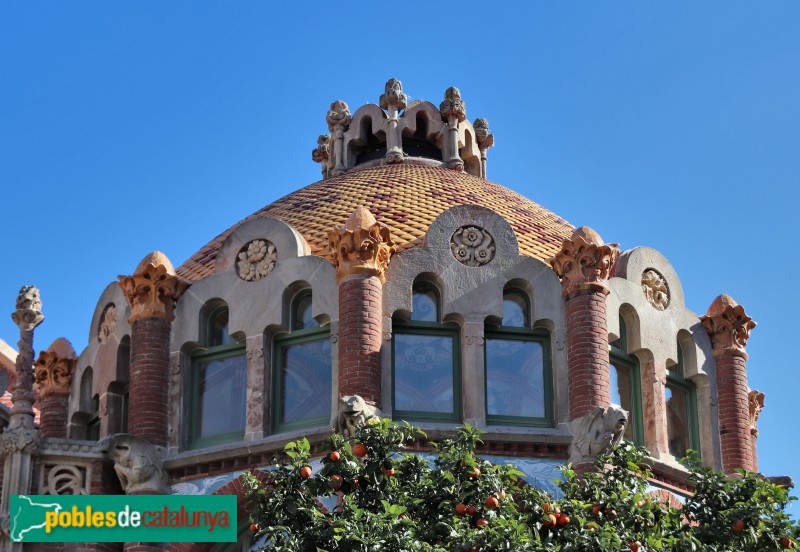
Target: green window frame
(431, 329)
(521, 333)
(619, 358)
(220, 347)
(306, 331)
(676, 380)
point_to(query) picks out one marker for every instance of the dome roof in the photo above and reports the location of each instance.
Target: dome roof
(407, 198)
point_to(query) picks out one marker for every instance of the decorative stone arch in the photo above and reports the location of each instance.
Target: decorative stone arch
(655, 326)
(367, 125)
(434, 127)
(471, 291)
(83, 389)
(255, 305)
(468, 148)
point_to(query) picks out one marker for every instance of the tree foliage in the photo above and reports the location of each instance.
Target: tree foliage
(389, 500)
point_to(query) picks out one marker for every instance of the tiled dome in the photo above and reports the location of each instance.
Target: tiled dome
(405, 197)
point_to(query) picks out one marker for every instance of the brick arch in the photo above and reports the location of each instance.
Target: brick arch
(234, 487)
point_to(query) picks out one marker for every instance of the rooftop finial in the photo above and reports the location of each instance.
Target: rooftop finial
(485, 141)
(322, 153)
(338, 119)
(453, 112)
(393, 95)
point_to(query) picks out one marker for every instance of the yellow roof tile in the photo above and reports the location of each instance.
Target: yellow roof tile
(407, 198)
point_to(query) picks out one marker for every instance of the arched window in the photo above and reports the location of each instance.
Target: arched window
(626, 390)
(302, 385)
(426, 382)
(681, 401)
(91, 405)
(518, 367)
(218, 385)
(117, 396)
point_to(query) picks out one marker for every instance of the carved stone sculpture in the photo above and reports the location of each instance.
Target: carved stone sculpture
(584, 262)
(256, 260)
(108, 323)
(154, 288)
(137, 464)
(485, 141)
(322, 153)
(393, 95)
(354, 411)
(655, 289)
(362, 246)
(65, 479)
(27, 316)
(19, 439)
(338, 119)
(728, 326)
(595, 433)
(755, 402)
(453, 111)
(393, 100)
(53, 369)
(472, 246)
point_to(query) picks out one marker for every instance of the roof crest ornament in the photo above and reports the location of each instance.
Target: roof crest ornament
(453, 112)
(393, 100)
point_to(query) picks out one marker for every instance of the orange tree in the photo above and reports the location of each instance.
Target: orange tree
(388, 500)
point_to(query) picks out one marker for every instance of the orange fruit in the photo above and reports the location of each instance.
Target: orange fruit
(738, 526)
(335, 456)
(481, 522)
(306, 472)
(461, 509)
(491, 503)
(360, 450)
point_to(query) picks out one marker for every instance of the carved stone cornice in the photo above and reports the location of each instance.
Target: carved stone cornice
(154, 288)
(755, 403)
(584, 262)
(54, 368)
(728, 326)
(362, 246)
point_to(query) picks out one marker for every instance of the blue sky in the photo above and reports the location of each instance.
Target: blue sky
(126, 128)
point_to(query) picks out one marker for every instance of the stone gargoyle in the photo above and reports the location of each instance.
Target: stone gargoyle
(137, 464)
(595, 433)
(354, 411)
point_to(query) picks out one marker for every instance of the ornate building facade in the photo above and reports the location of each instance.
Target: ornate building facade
(403, 277)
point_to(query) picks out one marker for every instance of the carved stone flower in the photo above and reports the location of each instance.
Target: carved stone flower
(655, 289)
(256, 260)
(472, 246)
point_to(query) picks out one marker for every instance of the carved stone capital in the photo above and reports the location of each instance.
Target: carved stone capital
(584, 262)
(482, 134)
(453, 105)
(755, 403)
(153, 289)
(54, 368)
(338, 116)
(19, 439)
(393, 95)
(728, 326)
(28, 313)
(362, 246)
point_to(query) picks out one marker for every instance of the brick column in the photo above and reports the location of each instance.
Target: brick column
(152, 292)
(729, 328)
(584, 265)
(53, 374)
(361, 250)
